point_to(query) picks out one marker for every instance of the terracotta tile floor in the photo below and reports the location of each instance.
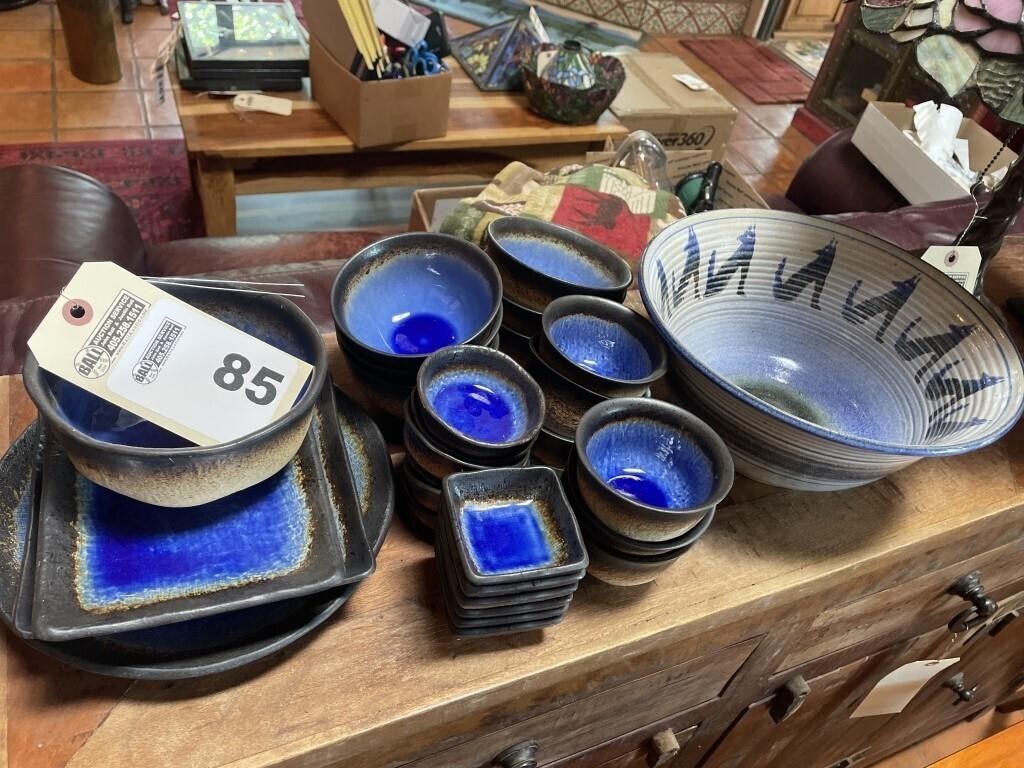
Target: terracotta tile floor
(41, 101)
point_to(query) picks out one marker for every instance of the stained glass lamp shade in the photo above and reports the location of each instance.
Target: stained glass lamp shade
(962, 44)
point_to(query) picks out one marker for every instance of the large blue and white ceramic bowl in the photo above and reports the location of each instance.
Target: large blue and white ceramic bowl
(404, 297)
(824, 357)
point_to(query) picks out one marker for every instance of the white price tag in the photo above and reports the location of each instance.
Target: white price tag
(960, 263)
(894, 691)
(130, 343)
(692, 82)
(258, 102)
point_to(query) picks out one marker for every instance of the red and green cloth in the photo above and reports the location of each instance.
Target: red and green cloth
(613, 206)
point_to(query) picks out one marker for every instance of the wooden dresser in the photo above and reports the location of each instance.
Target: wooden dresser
(790, 598)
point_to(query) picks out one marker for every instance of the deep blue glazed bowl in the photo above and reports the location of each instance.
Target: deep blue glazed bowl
(406, 296)
(825, 357)
(120, 451)
(432, 459)
(649, 470)
(602, 345)
(567, 401)
(478, 403)
(540, 261)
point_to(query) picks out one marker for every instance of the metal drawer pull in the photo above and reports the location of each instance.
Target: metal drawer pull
(664, 747)
(956, 685)
(522, 755)
(970, 588)
(789, 698)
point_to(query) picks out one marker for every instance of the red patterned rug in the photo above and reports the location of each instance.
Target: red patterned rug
(152, 177)
(759, 73)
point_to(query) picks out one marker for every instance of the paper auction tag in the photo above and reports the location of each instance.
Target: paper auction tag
(894, 691)
(958, 262)
(692, 82)
(128, 342)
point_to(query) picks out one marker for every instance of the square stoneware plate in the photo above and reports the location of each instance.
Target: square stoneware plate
(513, 525)
(108, 564)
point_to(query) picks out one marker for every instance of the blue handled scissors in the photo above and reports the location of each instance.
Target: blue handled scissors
(419, 60)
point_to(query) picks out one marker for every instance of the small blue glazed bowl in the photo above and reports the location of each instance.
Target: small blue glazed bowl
(478, 403)
(138, 459)
(404, 297)
(649, 470)
(602, 345)
(566, 400)
(433, 460)
(540, 261)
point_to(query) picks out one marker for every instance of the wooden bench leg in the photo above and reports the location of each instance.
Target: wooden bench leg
(215, 178)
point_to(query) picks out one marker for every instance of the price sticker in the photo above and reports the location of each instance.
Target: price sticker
(894, 691)
(128, 342)
(960, 263)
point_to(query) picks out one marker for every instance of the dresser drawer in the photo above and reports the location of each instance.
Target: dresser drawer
(902, 609)
(643, 756)
(586, 723)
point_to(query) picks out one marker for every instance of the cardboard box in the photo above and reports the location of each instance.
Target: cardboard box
(734, 191)
(653, 100)
(431, 206)
(378, 112)
(880, 138)
(326, 23)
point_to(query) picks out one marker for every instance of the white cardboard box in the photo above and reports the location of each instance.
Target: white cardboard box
(880, 138)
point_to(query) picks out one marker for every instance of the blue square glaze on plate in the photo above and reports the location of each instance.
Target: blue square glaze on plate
(507, 537)
(108, 564)
(512, 524)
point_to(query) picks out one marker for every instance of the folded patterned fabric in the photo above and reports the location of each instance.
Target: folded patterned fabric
(613, 206)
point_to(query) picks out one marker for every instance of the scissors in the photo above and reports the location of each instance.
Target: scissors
(419, 60)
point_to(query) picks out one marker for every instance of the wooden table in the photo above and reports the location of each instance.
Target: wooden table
(384, 682)
(255, 153)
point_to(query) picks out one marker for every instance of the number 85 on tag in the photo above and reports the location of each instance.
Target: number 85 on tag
(217, 383)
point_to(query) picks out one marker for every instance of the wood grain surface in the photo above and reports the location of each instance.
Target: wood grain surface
(384, 682)
(477, 120)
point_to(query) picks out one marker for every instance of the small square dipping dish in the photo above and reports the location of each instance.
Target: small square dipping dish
(512, 525)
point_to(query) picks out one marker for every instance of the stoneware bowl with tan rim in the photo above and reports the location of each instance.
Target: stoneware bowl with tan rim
(138, 459)
(540, 261)
(602, 345)
(826, 358)
(478, 403)
(647, 469)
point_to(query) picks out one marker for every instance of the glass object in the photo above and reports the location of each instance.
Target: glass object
(644, 155)
(242, 32)
(570, 66)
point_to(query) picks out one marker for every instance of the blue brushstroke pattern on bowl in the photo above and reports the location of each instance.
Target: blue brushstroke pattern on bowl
(826, 358)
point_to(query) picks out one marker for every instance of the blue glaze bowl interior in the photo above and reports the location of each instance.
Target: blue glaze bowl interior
(562, 255)
(555, 259)
(653, 463)
(479, 404)
(601, 346)
(104, 421)
(414, 301)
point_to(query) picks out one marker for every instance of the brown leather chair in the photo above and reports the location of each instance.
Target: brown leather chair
(55, 219)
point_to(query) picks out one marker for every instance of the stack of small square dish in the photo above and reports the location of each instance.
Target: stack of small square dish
(509, 552)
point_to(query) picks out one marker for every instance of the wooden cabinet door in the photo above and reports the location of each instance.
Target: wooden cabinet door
(811, 16)
(820, 733)
(992, 667)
